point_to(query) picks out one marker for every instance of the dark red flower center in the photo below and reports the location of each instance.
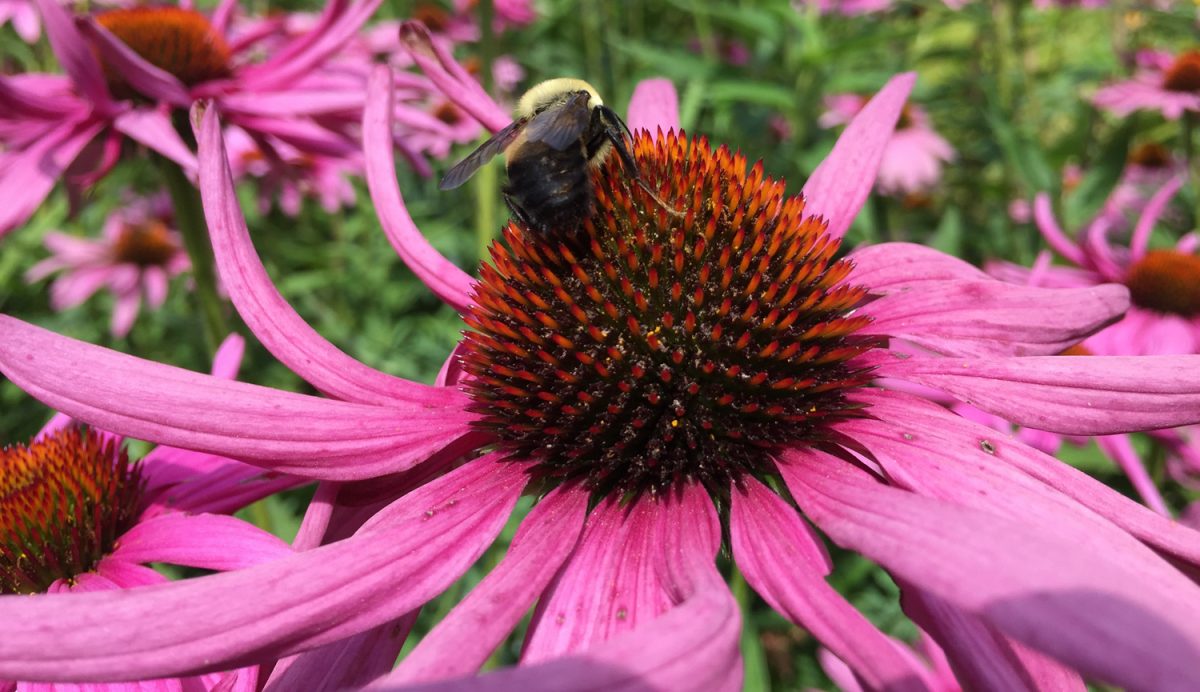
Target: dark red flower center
(435, 18)
(179, 41)
(654, 349)
(146, 244)
(1166, 281)
(64, 500)
(1150, 155)
(1184, 73)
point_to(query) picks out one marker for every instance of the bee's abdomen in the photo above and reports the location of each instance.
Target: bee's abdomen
(551, 187)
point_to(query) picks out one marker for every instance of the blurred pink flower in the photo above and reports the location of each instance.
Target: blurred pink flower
(1149, 168)
(286, 176)
(849, 8)
(1169, 84)
(1163, 320)
(170, 507)
(135, 257)
(24, 17)
(1003, 551)
(912, 162)
(1082, 4)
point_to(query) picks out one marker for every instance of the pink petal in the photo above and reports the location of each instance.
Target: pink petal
(1090, 609)
(424, 541)
(316, 517)
(449, 77)
(346, 664)
(75, 54)
(462, 642)
(1120, 449)
(208, 541)
(154, 285)
(984, 659)
(1082, 395)
(125, 311)
(887, 265)
(168, 405)
(947, 432)
(30, 174)
(153, 129)
(609, 586)
(128, 575)
(179, 480)
(840, 185)
(654, 105)
(306, 135)
(149, 80)
(989, 317)
(447, 281)
(1150, 215)
(786, 564)
(228, 358)
(269, 316)
(1043, 214)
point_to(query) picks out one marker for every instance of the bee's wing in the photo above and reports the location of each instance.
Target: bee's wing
(466, 168)
(560, 126)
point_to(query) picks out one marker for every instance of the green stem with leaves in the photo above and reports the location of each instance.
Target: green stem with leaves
(189, 218)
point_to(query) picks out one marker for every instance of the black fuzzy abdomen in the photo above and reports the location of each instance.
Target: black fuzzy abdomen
(551, 188)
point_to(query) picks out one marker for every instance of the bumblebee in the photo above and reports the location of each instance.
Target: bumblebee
(561, 131)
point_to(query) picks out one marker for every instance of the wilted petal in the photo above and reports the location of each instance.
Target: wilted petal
(840, 185)
(207, 541)
(269, 316)
(168, 405)
(461, 643)
(447, 281)
(423, 541)
(1089, 608)
(654, 106)
(989, 317)
(786, 564)
(1082, 395)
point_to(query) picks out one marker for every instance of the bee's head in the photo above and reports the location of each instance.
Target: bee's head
(552, 92)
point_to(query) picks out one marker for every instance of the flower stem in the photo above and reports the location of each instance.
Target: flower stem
(1188, 121)
(755, 668)
(189, 217)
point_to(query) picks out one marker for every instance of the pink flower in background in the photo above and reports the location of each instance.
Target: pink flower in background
(1006, 555)
(1169, 84)
(170, 507)
(1082, 4)
(849, 8)
(292, 176)
(1164, 318)
(135, 257)
(24, 17)
(912, 162)
(1149, 168)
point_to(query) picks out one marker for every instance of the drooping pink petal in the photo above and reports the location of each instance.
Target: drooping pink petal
(451, 78)
(316, 516)
(939, 431)
(654, 105)
(277, 325)
(1043, 214)
(982, 658)
(423, 541)
(888, 265)
(840, 185)
(128, 575)
(461, 642)
(180, 480)
(988, 317)
(1150, 215)
(610, 584)
(447, 281)
(168, 405)
(207, 541)
(153, 129)
(1085, 395)
(228, 358)
(786, 564)
(31, 174)
(1120, 450)
(304, 134)
(332, 37)
(75, 54)
(1042, 586)
(125, 312)
(346, 664)
(149, 80)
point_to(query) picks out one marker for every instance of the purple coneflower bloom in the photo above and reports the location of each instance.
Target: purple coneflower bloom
(79, 517)
(1164, 318)
(734, 311)
(1169, 84)
(912, 161)
(135, 257)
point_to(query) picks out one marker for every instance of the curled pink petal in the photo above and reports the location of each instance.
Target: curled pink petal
(447, 281)
(151, 401)
(1043, 214)
(450, 78)
(461, 643)
(654, 105)
(1086, 395)
(1150, 215)
(424, 541)
(208, 541)
(840, 185)
(268, 315)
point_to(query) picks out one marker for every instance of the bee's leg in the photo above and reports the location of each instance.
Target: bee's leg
(519, 212)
